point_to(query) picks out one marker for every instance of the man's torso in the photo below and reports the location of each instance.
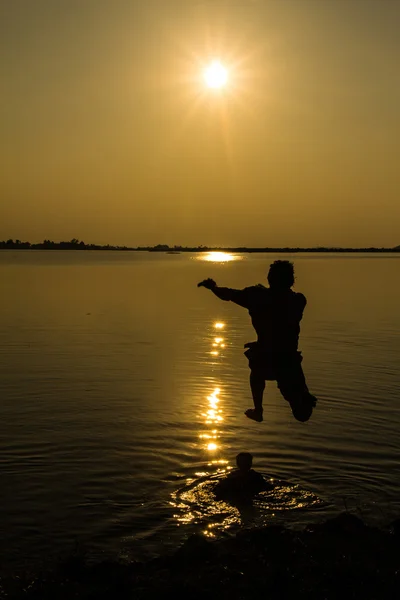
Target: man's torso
(275, 316)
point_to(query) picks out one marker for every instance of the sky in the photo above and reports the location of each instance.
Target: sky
(109, 134)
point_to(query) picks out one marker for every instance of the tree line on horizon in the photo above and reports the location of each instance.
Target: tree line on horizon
(76, 244)
(73, 244)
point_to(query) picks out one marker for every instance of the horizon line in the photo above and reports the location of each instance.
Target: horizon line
(76, 244)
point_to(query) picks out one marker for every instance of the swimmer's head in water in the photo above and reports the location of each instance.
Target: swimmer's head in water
(244, 461)
(281, 274)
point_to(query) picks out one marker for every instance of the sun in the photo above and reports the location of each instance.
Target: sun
(215, 75)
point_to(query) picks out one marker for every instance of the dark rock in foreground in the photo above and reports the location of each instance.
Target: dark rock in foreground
(341, 558)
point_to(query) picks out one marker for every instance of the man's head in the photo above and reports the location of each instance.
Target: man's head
(281, 275)
(244, 461)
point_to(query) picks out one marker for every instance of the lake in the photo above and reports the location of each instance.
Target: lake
(123, 388)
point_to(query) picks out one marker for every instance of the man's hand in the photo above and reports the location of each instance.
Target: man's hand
(209, 284)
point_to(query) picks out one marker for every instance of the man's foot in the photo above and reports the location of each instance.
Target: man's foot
(254, 414)
(302, 409)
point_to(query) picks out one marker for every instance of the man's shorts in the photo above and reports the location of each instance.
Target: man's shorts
(274, 366)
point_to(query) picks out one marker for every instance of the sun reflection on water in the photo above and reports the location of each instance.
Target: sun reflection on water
(212, 412)
(212, 415)
(219, 342)
(219, 256)
(196, 504)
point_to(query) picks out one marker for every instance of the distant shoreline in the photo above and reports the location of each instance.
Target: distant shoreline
(77, 245)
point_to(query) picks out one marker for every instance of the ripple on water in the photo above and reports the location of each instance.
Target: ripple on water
(196, 505)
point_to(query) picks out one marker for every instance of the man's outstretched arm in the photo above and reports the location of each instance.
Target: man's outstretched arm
(224, 293)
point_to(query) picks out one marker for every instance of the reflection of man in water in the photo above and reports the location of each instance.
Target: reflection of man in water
(275, 313)
(243, 483)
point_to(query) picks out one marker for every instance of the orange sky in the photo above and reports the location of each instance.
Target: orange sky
(108, 133)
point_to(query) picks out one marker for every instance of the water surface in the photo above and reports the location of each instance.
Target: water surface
(122, 399)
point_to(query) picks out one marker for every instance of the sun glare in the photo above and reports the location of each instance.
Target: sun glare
(219, 257)
(215, 75)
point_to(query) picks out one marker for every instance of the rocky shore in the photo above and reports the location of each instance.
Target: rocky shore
(340, 558)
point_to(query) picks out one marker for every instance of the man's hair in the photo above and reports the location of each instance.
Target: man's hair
(281, 274)
(244, 460)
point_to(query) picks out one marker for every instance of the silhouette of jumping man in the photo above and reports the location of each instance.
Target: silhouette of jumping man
(243, 483)
(276, 312)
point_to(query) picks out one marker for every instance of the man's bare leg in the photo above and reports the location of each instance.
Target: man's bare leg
(257, 385)
(292, 385)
